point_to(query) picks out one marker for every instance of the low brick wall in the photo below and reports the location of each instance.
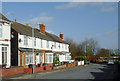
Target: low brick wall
(11, 71)
(38, 69)
(27, 70)
(75, 63)
(46, 68)
(59, 67)
(70, 65)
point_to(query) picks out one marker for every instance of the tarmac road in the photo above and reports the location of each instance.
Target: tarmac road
(93, 71)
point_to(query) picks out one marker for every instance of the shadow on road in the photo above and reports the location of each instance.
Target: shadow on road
(108, 73)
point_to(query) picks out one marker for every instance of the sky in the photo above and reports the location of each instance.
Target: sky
(76, 20)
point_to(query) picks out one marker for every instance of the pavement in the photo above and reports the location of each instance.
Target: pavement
(92, 71)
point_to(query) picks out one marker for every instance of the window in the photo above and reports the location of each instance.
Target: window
(62, 46)
(67, 57)
(65, 47)
(0, 30)
(59, 45)
(54, 44)
(25, 40)
(34, 41)
(49, 58)
(4, 55)
(41, 44)
(29, 58)
(47, 44)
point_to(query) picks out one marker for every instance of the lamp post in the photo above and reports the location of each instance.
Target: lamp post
(33, 47)
(86, 50)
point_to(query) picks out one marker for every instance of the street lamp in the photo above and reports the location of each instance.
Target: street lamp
(33, 47)
(86, 50)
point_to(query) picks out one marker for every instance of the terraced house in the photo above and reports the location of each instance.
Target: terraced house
(5, 30)
(45, 45)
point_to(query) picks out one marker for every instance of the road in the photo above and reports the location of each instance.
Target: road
(93, 71)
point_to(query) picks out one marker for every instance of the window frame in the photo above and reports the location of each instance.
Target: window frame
(4, 52)
(29, 58)
(25, 40)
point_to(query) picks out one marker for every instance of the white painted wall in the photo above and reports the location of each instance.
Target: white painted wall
(44, 44)
(6, 34)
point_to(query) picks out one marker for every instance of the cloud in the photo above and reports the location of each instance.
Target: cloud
(42, 18)
(104, 7)
(71, 5)
(107, 9)
(110, 32)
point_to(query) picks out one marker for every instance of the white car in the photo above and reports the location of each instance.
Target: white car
(110, 62)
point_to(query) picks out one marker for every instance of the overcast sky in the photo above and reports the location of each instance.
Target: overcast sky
(76, 20)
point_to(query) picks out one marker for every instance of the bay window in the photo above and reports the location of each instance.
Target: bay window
(29, 58)
(4, 55)
(49, 58)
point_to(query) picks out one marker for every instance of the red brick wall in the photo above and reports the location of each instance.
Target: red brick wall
(11, 71)
(59, 67)
(46, 68)
(27, 70)
(69, 65)
(38, 69)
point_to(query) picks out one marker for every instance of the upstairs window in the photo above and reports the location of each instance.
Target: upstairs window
(41, 43)
(54, 44)
(0, 30)
(25, 40)
(65, 47)
(47, 44)
(34, 41)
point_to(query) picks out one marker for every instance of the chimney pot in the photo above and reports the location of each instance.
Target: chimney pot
(42, 28)
(61, 36)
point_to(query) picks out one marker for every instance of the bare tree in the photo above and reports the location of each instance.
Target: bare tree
(72, 46)
(89, 47)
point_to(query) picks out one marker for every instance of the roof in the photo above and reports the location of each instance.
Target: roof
(3, 17)
(27, 30)
(55, 38)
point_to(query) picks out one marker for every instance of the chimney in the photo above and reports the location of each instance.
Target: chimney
(61, 36)
(42, 28)
(15, 20)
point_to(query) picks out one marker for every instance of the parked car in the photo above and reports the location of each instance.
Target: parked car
(110, 62)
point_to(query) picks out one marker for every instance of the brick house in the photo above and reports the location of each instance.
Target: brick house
(5, 38)
(19, 44)
(45, 45)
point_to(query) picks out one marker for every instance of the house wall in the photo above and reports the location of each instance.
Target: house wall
(44, 44)
(5, 41)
